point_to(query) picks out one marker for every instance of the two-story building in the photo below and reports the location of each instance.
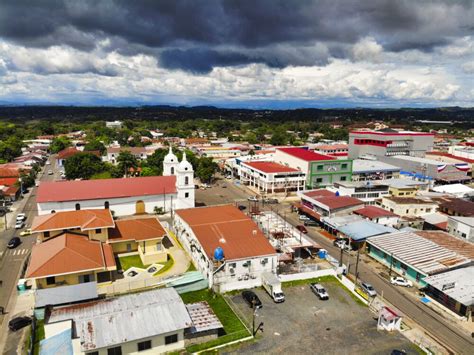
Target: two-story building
(365, 191)
(409, 206)
(270, 177)
(226, 246)
(321, 170)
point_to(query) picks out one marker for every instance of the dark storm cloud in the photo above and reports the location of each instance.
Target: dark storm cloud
(197, 35)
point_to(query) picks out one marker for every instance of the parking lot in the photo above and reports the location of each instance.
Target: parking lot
(221, 192)
(305, 324)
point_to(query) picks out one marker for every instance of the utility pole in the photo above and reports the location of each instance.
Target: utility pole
(391, 265)
(357, 266)
(340, 258)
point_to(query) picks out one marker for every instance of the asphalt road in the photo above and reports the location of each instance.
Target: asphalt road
(12, 260)
(424, 316)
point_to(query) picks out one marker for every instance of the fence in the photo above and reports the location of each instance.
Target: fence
(306, 275)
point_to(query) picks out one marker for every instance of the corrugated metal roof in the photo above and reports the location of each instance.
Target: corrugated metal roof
(418, 252)
(117, 320)
(203, 317)
(364, 229)
(60, 343)
(65, 294)
(462, 281)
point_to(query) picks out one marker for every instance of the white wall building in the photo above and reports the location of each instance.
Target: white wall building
(247, 254)
(461, 227)
(126, 196)
(113, 124)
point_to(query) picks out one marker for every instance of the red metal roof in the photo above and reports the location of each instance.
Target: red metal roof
(305, 154)
(105, 189)
(319, 193)
(8, 181)
(336, 202)
(82, 219)
(229, 228)
(394, 133)
(269, 167)
(374, 212)
(138, 229)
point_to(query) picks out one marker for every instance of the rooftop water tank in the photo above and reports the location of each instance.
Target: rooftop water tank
(337, 193)
(219, 254)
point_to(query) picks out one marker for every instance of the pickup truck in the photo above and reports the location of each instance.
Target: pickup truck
(272, 285)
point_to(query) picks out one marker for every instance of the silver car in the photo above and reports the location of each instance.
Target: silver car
(368, 289)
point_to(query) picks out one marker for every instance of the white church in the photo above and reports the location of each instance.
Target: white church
(125, 196)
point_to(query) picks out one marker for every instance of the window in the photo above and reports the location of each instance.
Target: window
(428, 210)
(343, 178)
(320, 167)
(418, 277)
(186, 194)
(403, 267)
(46, 234)
(319, 180)
(129, 247)
(344, 166)
(186, 180)
(115, 351)
(93, 353)
(170, 339)
(407, 211)
(50, 280)
(98, 231)
(144, 345)
(158, 246)
(172, 171)
(106, 204)
(78, 206)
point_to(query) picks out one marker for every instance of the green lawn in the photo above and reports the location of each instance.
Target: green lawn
(168, 264)
(133, 260)
(191, 267)
(232, 325)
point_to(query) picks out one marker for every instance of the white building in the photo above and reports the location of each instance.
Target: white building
(113, 124)
(363, 190)
(140, 153)
(270, 177)
(461, 227)
(207, 233)
(125, 196)
(152, 322)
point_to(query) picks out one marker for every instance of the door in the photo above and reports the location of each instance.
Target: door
(140, 207)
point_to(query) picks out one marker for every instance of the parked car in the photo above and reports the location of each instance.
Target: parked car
(368, 289)
(253, 199)
(19, 322)
(302, 228)
(304, 217)
(50, 172)
(20, 217)
(340, 243)
(25, 232)
(13, 243)
(310, 223)
(19, 224)
(242, 207)
(319, 291)
(270, 200)
(252, 299)
(401, 281)
(48, 163)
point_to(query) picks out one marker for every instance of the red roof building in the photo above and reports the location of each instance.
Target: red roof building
(329, 204)
(269, 167)
(305, 154)
(373, 212)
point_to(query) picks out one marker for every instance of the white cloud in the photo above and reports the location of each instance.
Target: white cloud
(367, 49)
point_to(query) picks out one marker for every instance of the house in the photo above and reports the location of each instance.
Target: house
(76, 247)
(64, 154)
(389, 142)
(153, 322)
(113, 124)
(359, 232)
(363, 170)
(335, 150)
(461, 227)
(320, 170)
(453, 290)
(226, 246)
(9, 189)
(405, 187)
(409, 206)
(319, 204)
(365, 191)
(378, 215)
(124, 196)
(112, 154)
(417, 255)
(270, 177)
(457, 207)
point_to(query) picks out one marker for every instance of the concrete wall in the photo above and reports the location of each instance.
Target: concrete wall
(306, 275)
(460, 230)
(291, 161)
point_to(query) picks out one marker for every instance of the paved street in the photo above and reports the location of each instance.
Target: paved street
(12, 260)
(425, 317)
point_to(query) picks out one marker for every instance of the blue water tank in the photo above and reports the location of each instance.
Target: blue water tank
(337, 193)
(322, 254)
(219, 254)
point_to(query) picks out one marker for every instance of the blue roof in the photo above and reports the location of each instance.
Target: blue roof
(60, 343)
(358, 231)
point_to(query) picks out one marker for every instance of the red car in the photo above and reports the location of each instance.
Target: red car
(302, 229)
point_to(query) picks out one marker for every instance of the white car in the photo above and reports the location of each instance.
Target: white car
(303, 217)
(253, 199)
(19, 224)
(368, 289)
(401, 281)
(50, 172)
(48, 163)
(20, 217)
(319, 291)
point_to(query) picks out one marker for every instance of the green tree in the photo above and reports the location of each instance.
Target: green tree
(251, 137)
(147, 171)
(83, 166)
(206, 169)
(58, 144)
(95, 145)
(10, 148)
(278, 138)
(126, 160)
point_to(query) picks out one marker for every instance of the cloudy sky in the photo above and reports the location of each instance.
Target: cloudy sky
(238, 53)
